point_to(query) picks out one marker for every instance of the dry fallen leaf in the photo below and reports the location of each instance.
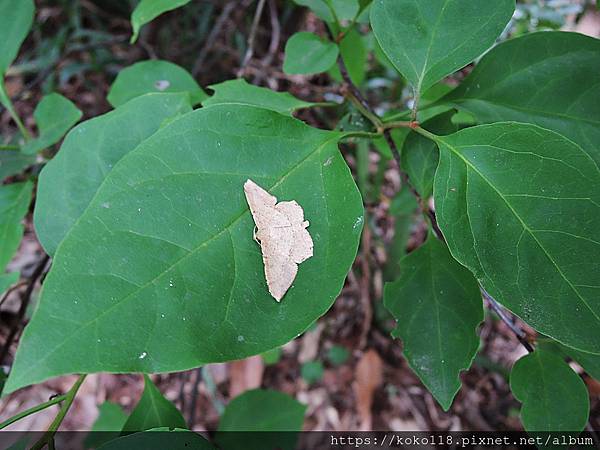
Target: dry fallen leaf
(282, 235)
(368, 378)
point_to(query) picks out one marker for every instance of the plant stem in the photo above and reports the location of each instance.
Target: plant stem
(9, 147)
(69, 397)
(400, 124)
(499, 310)
(32, 410)
(252, 37)
(25, 299)
(427, 134)
(5, 100)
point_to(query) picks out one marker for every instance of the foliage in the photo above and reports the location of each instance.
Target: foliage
(154, 264)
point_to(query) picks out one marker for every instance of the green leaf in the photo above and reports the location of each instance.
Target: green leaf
(307, 53)
(420, 155)
(159, 439)
(162, 267)
(13, 162)
(54, 116)
(402, 209)
(260, 411)
(153, 76)
(546, 82)
(312, 371)
(344, 9)
(241, 92)
(355, 56)
(554, 398)
(438, 306)
(107, 426)
(520, 206)
(15, 21)
(87, 155)
(7, 280)
(14, 204)
(428, 41)
(153, 411)
(338, 355)
(148, 10)
(271, 357)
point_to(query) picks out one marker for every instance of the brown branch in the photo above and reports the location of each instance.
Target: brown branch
(25, 299)
(499, 310)
(252, 37)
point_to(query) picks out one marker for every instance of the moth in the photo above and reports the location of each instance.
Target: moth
(282, 233)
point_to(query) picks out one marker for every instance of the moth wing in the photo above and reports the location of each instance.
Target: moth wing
(302, 246)
(280, 269)
(261, 203)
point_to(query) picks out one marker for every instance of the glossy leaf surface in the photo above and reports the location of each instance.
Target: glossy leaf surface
(15, 21)
(88, 153)
(554, 398)
(161, 272)
(307, 53)
(241, 92)
(153, 411)
(263, 411)
(541, 78)
(14, 204)
(427, 41)
(148, 10)
(520, 206)
(54, 116)
(153, 76)
(438, 306)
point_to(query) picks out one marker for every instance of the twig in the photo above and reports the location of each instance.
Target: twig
(357, 98)
(214, 33)
(48, 436)
(406, 181)
(499, 310)
(25, 299)
(32, 410)
(9, 147)
(194, 400)
(10, 290)
(252, 37)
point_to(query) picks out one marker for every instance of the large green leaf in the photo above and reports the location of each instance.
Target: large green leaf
(16, 18)
(260, 411)
(427, 41)
(107, 426)
(162, 273)
(520, 206)
(241, 92)
(159, 439)
(153, 76)
(14, 204)
(541, 78)
(87, 155)
(307, 53)
(153, 411)
(438, 306)
(554, 398)
(54, 116)
(420, 155)
(148, 10)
